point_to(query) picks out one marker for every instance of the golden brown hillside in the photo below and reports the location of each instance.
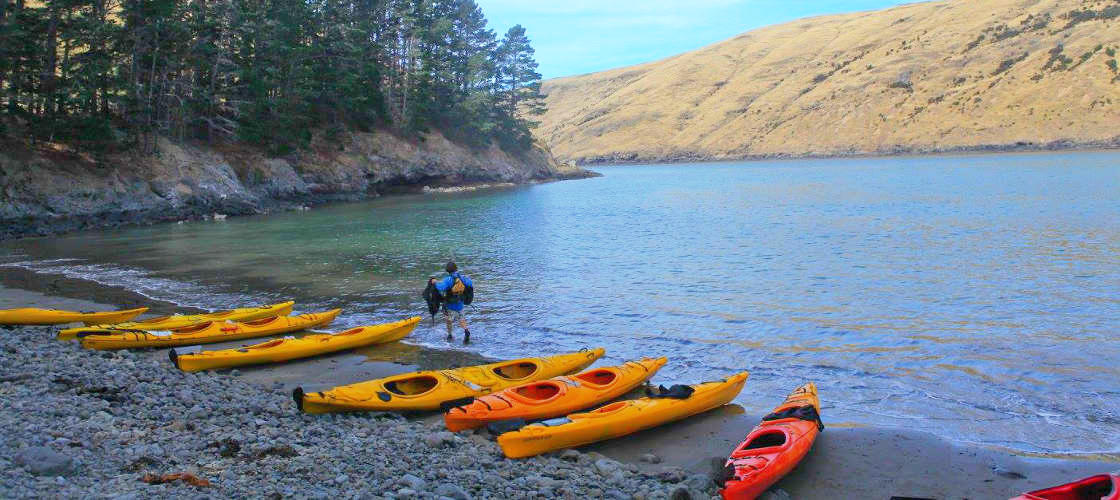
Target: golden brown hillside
(937, 76)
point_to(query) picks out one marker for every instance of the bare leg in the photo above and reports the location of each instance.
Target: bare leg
(447, 319)
(466, 331)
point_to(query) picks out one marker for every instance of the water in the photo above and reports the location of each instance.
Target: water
(976, 297)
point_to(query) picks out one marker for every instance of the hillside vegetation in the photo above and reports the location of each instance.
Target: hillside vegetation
(937, 76)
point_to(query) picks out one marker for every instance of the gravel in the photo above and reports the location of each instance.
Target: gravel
(79, 423)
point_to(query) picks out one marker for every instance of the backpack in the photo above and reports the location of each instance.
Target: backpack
(460, 291)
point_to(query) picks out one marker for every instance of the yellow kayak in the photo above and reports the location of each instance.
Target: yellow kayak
(192, 359)
(429, 390)
(617, 419)
(206, 333)
(181, 320)
(34, 316)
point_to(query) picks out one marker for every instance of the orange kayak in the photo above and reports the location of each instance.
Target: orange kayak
(1099, 487)
(554, 397)
(775, 446)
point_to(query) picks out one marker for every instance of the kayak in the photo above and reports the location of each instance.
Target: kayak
(193, 359)
(205, 333)
(429, 390)
(181, 320)
(619, 418)
(34, 316)
(555, 397)
(1099, 487)
(775, 446)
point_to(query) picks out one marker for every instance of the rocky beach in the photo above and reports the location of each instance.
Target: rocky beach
(79, 423)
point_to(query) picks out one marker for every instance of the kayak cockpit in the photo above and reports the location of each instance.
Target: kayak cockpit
(516, 371)
(264, 345)
(414, 386)
(157, 319)
(263, 321)
(1101, 486)
(597, 377)
(194, 328)
(352, 331)
(769, 439)
(542, 391)
(606, 410)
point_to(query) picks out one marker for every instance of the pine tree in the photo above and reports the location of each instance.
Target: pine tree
(519, 87)
(265, 72)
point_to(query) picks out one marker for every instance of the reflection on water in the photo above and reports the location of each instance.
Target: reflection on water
(977, 297)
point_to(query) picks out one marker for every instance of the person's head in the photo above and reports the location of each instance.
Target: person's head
(451, 267)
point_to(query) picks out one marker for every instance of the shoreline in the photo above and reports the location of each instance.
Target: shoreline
(45, 227)
(871, 462)
(1101, 147)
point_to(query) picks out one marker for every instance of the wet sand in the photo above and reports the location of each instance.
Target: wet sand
(857, 462)
(860, 462)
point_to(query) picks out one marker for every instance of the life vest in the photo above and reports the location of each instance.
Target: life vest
(460, 291)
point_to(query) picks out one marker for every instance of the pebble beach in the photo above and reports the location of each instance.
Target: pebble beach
(92, 424)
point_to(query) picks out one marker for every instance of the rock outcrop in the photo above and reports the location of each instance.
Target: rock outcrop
(48, 190)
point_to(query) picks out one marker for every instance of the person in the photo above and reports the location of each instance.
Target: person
(457, 290)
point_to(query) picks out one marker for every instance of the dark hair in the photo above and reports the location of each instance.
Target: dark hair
(451, 267)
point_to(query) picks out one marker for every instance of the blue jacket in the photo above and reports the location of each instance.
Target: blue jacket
(445, 286)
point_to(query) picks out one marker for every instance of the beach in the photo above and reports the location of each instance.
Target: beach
(103, 420)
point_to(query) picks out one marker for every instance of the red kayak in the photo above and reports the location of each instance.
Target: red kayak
(775, 446)
(1100, 487)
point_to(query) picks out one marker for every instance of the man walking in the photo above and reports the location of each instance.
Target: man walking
(457, 290)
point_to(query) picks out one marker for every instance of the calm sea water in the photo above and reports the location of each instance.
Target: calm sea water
(976, 297)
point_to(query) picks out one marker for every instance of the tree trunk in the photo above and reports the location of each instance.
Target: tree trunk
(3, 22)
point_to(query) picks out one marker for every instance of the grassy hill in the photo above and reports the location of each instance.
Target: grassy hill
(936, 76)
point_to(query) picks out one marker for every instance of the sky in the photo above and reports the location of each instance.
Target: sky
(573, 37)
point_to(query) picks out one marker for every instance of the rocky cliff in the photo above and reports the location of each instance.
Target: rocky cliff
(47, 189)
(926, 77)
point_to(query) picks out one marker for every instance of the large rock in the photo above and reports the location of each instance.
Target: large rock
(43, 461)
(44, 193)
(452, 491)
(607, 467)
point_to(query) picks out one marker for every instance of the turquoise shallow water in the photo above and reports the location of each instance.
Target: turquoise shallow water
(976, 297)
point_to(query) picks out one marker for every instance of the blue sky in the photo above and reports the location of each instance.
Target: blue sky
(582, 36)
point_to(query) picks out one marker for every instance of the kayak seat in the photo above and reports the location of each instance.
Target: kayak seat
(262, 322)
(412, 386)
(351, 331)
(540, 391)
(766, 440)
(194, 328)
(675, 392)
(516, 371)
(597, 377)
